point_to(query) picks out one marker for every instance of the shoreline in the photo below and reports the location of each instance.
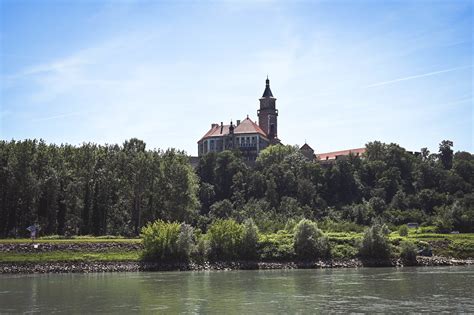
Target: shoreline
(137, 266)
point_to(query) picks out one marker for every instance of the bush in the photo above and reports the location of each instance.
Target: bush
(276, 247)
(160, 240)
(225, 239)
(309, 241)
(375, 244)
(185, 241)
(343, 251)
(408, 253)
(249, 244)
(201, 251)
(403, 230)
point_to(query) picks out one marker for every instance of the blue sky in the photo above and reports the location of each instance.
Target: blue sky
(344, 72)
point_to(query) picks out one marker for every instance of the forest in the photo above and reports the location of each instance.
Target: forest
(118, 189)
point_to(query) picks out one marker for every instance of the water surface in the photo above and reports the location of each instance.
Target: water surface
(422, 289)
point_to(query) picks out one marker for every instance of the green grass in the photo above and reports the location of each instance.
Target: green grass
(67, 256)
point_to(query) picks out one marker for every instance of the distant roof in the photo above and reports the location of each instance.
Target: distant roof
(246, 126)
(306, 147)
(267, 92)
(333, 155)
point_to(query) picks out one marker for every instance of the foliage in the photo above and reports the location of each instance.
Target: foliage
(167, 241)
(92, 189)
(403, 230)
(225, 239)
(309, 241)
(343, 251)
(276, 246)
(375, 244)
(117, 189)
(408, 252)
(249, 240)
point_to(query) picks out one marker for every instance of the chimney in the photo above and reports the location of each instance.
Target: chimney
(238, 122)
(222, 126)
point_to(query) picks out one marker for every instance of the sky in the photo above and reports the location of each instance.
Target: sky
(344, 72)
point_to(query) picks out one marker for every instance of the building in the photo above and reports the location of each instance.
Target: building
(246, 135)
(250, 138)
(337, 155)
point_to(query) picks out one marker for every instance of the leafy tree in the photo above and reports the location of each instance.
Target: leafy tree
(309, 241)
(446, 154)
(375, 244)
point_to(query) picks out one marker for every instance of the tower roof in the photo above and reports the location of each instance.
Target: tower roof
(267, 92)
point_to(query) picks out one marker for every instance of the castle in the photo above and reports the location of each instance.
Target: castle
(250, 138)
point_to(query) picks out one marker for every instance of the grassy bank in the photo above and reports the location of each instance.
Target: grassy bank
(272, 247)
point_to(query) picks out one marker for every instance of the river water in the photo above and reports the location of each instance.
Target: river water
(417, 289)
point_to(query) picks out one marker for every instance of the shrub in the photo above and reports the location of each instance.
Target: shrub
(225, 239)
(201, 249)
(160, 240)
(403, 230)
(309, 241)
(408, 253)
(276, 246)
(375, 244)
(342, 251)
(249, 240)
(185, 241)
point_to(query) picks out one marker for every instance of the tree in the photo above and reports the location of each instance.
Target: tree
(375, 244)
(309, 241)
(446, 154)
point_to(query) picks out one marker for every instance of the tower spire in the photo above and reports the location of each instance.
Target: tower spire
(267, 92)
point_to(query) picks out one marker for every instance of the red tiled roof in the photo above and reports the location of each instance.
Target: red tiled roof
(246, 126)
(333, 155)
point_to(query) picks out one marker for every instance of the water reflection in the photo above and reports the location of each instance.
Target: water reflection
(278, 291)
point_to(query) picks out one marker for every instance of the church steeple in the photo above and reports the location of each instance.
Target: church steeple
(267, 114)
(267, 92)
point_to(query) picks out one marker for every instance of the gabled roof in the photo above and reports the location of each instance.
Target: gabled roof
(247, 126)
(333, 155)
(306, 147)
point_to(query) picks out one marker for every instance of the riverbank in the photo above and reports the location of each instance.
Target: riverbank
(94, 254)
(134, 266)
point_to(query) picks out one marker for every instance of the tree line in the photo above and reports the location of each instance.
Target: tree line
(117, 189)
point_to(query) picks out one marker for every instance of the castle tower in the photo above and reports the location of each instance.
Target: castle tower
(267, 114)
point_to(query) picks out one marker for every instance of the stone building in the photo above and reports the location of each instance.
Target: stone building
(246, 135)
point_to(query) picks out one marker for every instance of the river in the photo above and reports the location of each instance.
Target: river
(417, 289)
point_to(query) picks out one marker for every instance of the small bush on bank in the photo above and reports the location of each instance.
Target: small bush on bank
(185, 241)
(375, 244)
(403, 230)
(225, 239)
(309, 241)
(159, 240)
(201, 250)
(249, 244)
(408, 253)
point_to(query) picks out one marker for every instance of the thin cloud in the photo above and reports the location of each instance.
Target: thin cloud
(416, 76)
(60, 116)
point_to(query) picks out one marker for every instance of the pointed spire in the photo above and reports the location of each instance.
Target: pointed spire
(267, 92)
